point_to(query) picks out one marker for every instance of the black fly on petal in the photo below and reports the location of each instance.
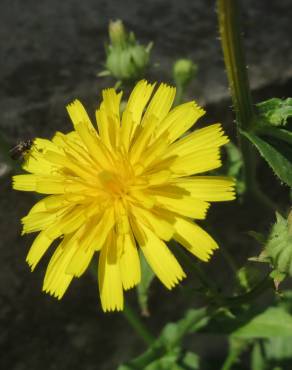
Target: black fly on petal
(19, 150)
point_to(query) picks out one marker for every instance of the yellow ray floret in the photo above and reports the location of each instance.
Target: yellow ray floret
(124, 183)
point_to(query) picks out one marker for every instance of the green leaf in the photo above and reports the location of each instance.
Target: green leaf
(143, 288)
(273, 322)
(279, 245)
(277, 133)
(275, 111)
(279, 348)
(276, 154)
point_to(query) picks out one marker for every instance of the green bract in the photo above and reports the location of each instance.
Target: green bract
(279, 245)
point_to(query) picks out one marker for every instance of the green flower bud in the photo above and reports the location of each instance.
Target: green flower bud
(126, 58)
(184, 71)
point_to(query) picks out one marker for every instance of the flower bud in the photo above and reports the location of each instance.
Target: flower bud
(184, 71)
(126, 58)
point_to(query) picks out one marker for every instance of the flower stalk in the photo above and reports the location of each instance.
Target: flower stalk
(136, 322)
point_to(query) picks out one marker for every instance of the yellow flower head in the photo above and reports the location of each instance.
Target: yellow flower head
(126, 184)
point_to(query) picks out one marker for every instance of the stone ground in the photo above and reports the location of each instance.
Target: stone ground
(50, 54)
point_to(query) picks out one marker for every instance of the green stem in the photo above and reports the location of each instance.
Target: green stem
(180, 91)
(235, 351)
(265, 284)
(136, 322)
(231, 41)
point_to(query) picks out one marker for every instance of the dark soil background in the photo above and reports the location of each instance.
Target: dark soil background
(51, 52)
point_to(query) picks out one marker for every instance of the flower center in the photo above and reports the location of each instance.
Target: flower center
(113, 183)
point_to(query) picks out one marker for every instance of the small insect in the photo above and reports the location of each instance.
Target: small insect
(19, 150)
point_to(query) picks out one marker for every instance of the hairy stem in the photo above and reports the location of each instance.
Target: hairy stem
(234, 59)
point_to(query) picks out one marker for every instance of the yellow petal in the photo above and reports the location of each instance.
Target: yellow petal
(159, 257)
(185, 206)
(208, 137)
(57, 279)
(209, 188)
(194, 239)
(79, 261)
(179, 120)
(98, 230)
(94, 145)
(36, 221)
(205, 160)
(109, 276)
(160, 104)
(133, 112)
(129, 262)
(108, 117)
(157, 222)
(141, 140)
(78, 114)
(40, 245)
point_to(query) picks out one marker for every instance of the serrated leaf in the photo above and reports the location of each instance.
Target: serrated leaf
(275, 111)
(143, 288)
(277, 156)
(279, 245)
(273, 322)
(276, 132)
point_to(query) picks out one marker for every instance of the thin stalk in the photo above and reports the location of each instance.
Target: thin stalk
(136, 322)
(262, 286)
(180, 91)
(231, 42)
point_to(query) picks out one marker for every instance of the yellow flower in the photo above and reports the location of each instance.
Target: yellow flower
(126, 185)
